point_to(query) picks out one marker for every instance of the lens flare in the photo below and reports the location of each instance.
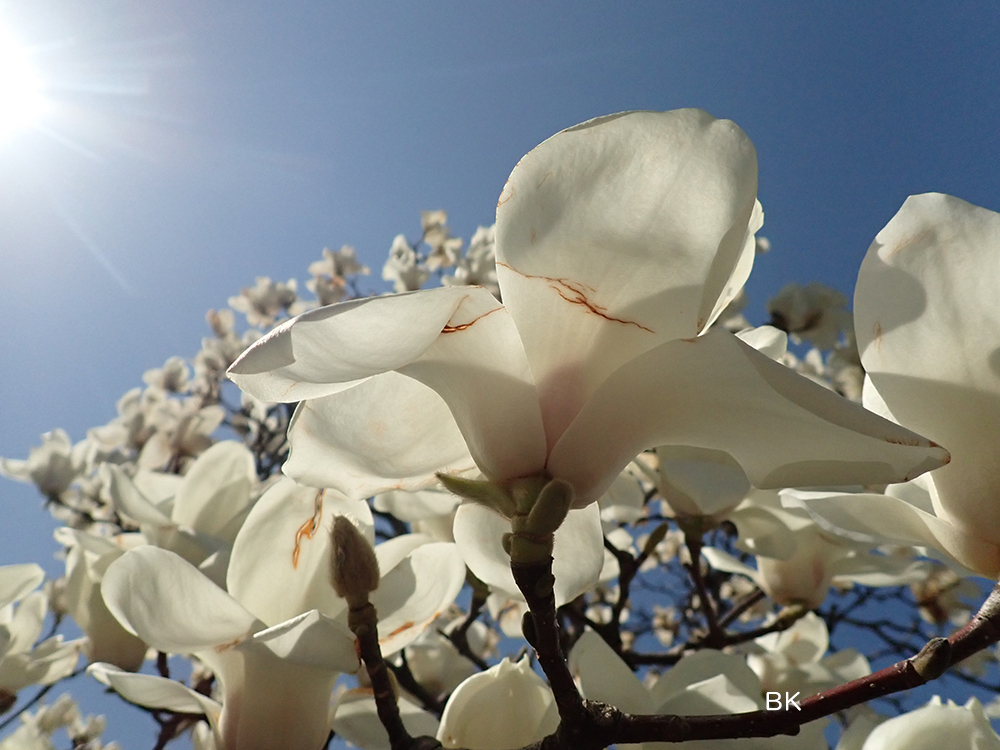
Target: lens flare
(22, 101)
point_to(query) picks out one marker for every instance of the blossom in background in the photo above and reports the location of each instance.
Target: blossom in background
(618, 242)
(929, 332)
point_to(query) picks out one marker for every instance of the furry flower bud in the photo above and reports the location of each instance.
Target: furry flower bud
(353, 566)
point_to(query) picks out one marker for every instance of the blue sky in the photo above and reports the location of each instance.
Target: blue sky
(196, 145)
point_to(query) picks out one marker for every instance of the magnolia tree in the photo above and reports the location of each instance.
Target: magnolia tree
(555, 491)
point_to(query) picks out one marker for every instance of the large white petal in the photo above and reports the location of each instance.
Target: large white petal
(357, 720)
(389, 432)
(577, 554)
(153, 691)
(310, 639)
(217, 490)
(929, 333)
(508, 705)
(314, 354)
(170, 605)
(280, 565)
(458, 340)
(415, 593)
(890, 519)
(17, 580)
(715, 391)
(616, 235)
(603, 676)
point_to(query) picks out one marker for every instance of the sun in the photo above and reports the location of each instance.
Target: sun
(22, 98)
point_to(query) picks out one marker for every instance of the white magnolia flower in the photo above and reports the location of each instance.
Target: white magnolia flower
(24, 660)
(276, 681)
(87, 559)
(935, 726)
(795, 660)
(506, 706)
(704, 682)
(798, 561)
(197, 515)
(929, 331)
(51, 466)
(619, 241)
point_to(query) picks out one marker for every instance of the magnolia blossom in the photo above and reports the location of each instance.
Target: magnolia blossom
(932, 727)
(929, 332)
(506, 706)
(704, 682)
(276, 637)
(618, 243)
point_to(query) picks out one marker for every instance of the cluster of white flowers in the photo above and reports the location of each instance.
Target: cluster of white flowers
(579, 398)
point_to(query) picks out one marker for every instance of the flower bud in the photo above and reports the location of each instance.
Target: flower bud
(353, 565)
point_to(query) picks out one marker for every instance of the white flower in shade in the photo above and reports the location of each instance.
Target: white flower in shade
(935, 726)
(798, 561)
(704, 682)
(506, 706)
(87, 559)
(929, 332)
(618, 242)
(795, 660)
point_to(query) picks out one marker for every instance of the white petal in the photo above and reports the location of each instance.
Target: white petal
(166, 602)
(458, 340)
(929, 332)
(700, 481)
(357, 720)
(935, 726)
(616, 235)
(578, 550)
(716, 392)
(603, 676)
(280, 565)
(216, 491)
(506, 706)
(17, 580)
(154, 692)
(314, 354)
(891, 519)
(130, 501)
(390, 432)
(310, 640)
(416, 506)
(415, 593)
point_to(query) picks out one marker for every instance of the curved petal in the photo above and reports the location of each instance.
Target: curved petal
(390, 432)
(603, 676)
(216, 490)
(717, 392)
(890, 519)
(616, 235)
(417, 506)
(930, 341)
(577, 554)
(170, 605)
(314, 354)
(357, 720)
(506, 706)
(415, 592)
(310, 640)
(280, 565)
(936, 725)
(16, 581)
(458, 340)
(153, 691)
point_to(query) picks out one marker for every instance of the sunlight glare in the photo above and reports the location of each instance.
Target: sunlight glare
(21, 99)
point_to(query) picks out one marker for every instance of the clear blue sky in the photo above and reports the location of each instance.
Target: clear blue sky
(200, 144)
